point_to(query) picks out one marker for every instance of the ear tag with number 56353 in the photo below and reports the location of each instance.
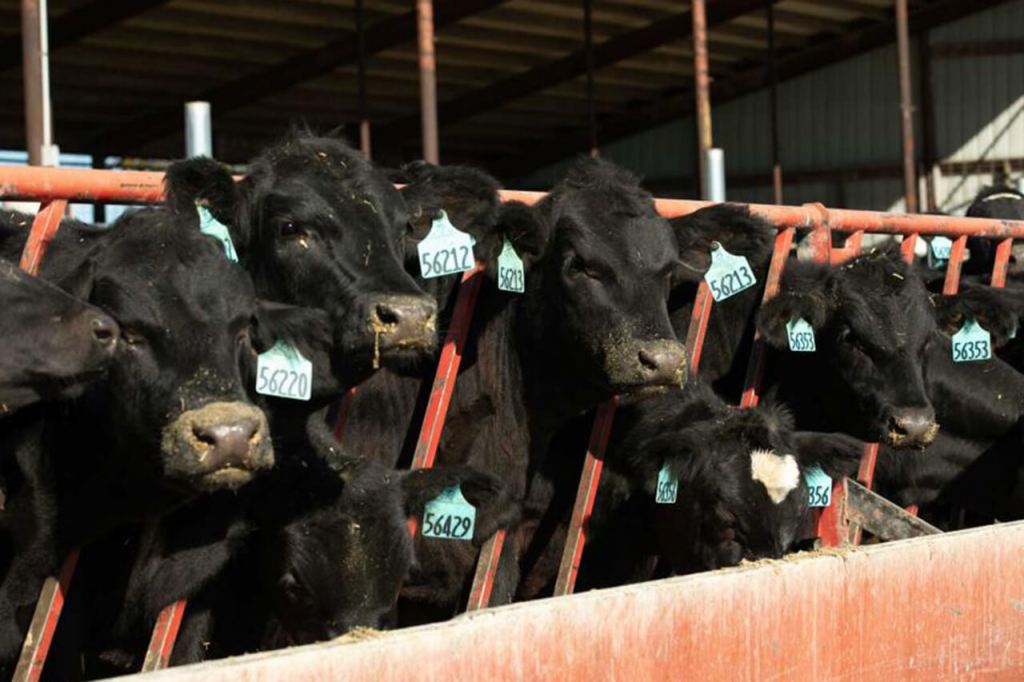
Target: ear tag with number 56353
(215, 228)
(801, 336)
(284, 373)
(819, 487)
(972, 342)
(729, 274)
(511, 274)
(668, 487)
(445, 250)
(449, 516)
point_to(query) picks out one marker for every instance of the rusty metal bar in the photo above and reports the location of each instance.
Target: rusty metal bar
(572, 553)
(486, 571)
(956, 259)
(882, 518)
(428, 80)
(773, 97)
(1001, 264)
(906, 106)
(695, 333)
(36, 83)
(364, 115)
(44, 622)
(701, 83)
(344, 405)
(165, 633)
(44, 227)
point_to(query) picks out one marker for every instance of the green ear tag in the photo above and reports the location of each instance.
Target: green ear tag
(445, 250)
(449, 516)
(819, 487)
(941, 247)
(284, 373)
(511, 274)
(801, 336)
(729, 274)
(668, 487)
(972, 342)
(213, 227)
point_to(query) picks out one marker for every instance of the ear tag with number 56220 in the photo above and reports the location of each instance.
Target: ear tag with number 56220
(941, 247)
(819, 487)
(668, 487)
(729, 274)
(215, 228)
(445, 250)
(284, 373)
(972, 342)
(449, 516)
(801, 336)
(511, 274)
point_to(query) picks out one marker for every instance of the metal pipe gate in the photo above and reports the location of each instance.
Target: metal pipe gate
(55, 187)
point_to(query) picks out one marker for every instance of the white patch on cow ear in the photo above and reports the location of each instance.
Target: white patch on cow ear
(778, 475)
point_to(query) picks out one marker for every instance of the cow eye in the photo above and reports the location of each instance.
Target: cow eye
(578, 268)
(132, 336)
(291, 229)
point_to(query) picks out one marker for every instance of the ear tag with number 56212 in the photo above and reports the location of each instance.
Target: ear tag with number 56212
(668, 487)
(511, 274)
(445, 250)
(215, 228)
(729, 274)
(972, 342)
(449, 516)
(801, 336)
(819, 487)
(941, 247)
(284, 373)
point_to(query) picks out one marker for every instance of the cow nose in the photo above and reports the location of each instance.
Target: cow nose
(104, 331)
(404, 322)
(662, 362)
(912, 427)
(228, 441)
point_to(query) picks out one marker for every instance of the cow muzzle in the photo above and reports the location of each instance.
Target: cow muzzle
(219, 446)
(645, 365)
(403, 322)
(911, 427)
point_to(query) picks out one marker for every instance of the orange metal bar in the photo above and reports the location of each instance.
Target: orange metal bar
(44, 622)
(1002, 263)
(34, 183)
(956, 259)
(44, 228)
(486, 570)
(344, 405)
(161, 644)
(698, 328)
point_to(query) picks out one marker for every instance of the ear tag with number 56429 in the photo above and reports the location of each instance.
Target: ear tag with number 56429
(511, 274)
(819, 487)
(449, 516)
(801, 336)
(445, 250)
(668, 487)
(972, 342)
(284, 373)
(729, 274)
(215, 228)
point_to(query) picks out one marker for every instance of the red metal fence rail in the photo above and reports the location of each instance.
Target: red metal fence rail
(56, 187)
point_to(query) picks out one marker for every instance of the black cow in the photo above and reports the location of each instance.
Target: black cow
(54, 345)
(1001, 203)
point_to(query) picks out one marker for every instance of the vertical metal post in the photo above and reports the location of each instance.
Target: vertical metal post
(929, 144)
(428, 80)
(588, 47)
(773, 76)
(364, 115)
(198, 130)
(714, 182)
(906, 106)
(701, 84)
(35, 51)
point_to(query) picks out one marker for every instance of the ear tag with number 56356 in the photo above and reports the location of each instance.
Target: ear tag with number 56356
(801, 336)
(819, 487)
(972, 342)
(511, 274)
(445, 250)
(449, 516)
(215, 228)
(729, 274)
(284, 373)
(668, 487)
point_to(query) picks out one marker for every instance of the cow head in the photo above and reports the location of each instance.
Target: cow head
(318, 225)
(1001, 203)
(873, 323)
(54, 344)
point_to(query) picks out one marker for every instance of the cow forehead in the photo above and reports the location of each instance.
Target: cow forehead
(639, 242)
(779, 475)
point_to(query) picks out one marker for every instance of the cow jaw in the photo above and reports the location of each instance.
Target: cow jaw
(778, 474)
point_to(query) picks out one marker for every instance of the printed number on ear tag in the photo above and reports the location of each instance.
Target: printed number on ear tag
(449, 516)
(445, 250)
(284, 373)
(213, 227)
(972, 342)
(819, 487)
(729, 274)
(511, 275)
(668, 487)
(801, 336)
(941, 247)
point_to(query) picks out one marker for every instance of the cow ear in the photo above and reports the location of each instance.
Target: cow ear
(202, 181)
(994, 309)
(524, 228)
(495, 507)
(732, 226)
(79, 282)
(468, 196)
(803, 295)
(673, 448)
(837, 454)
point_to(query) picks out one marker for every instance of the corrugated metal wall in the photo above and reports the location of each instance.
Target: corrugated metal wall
(846, 117)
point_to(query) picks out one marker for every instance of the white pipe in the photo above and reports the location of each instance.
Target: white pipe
(714, 182)
(198, 130)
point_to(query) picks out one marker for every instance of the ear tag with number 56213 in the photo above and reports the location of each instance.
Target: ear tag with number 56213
(284, 373)
(215, 228)
(449, 516)
(819, 487)
(445, 250)
(801, 336)
(941, 247)
(668, 487)
(972, 342)
(729, 274)
(511, 274)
